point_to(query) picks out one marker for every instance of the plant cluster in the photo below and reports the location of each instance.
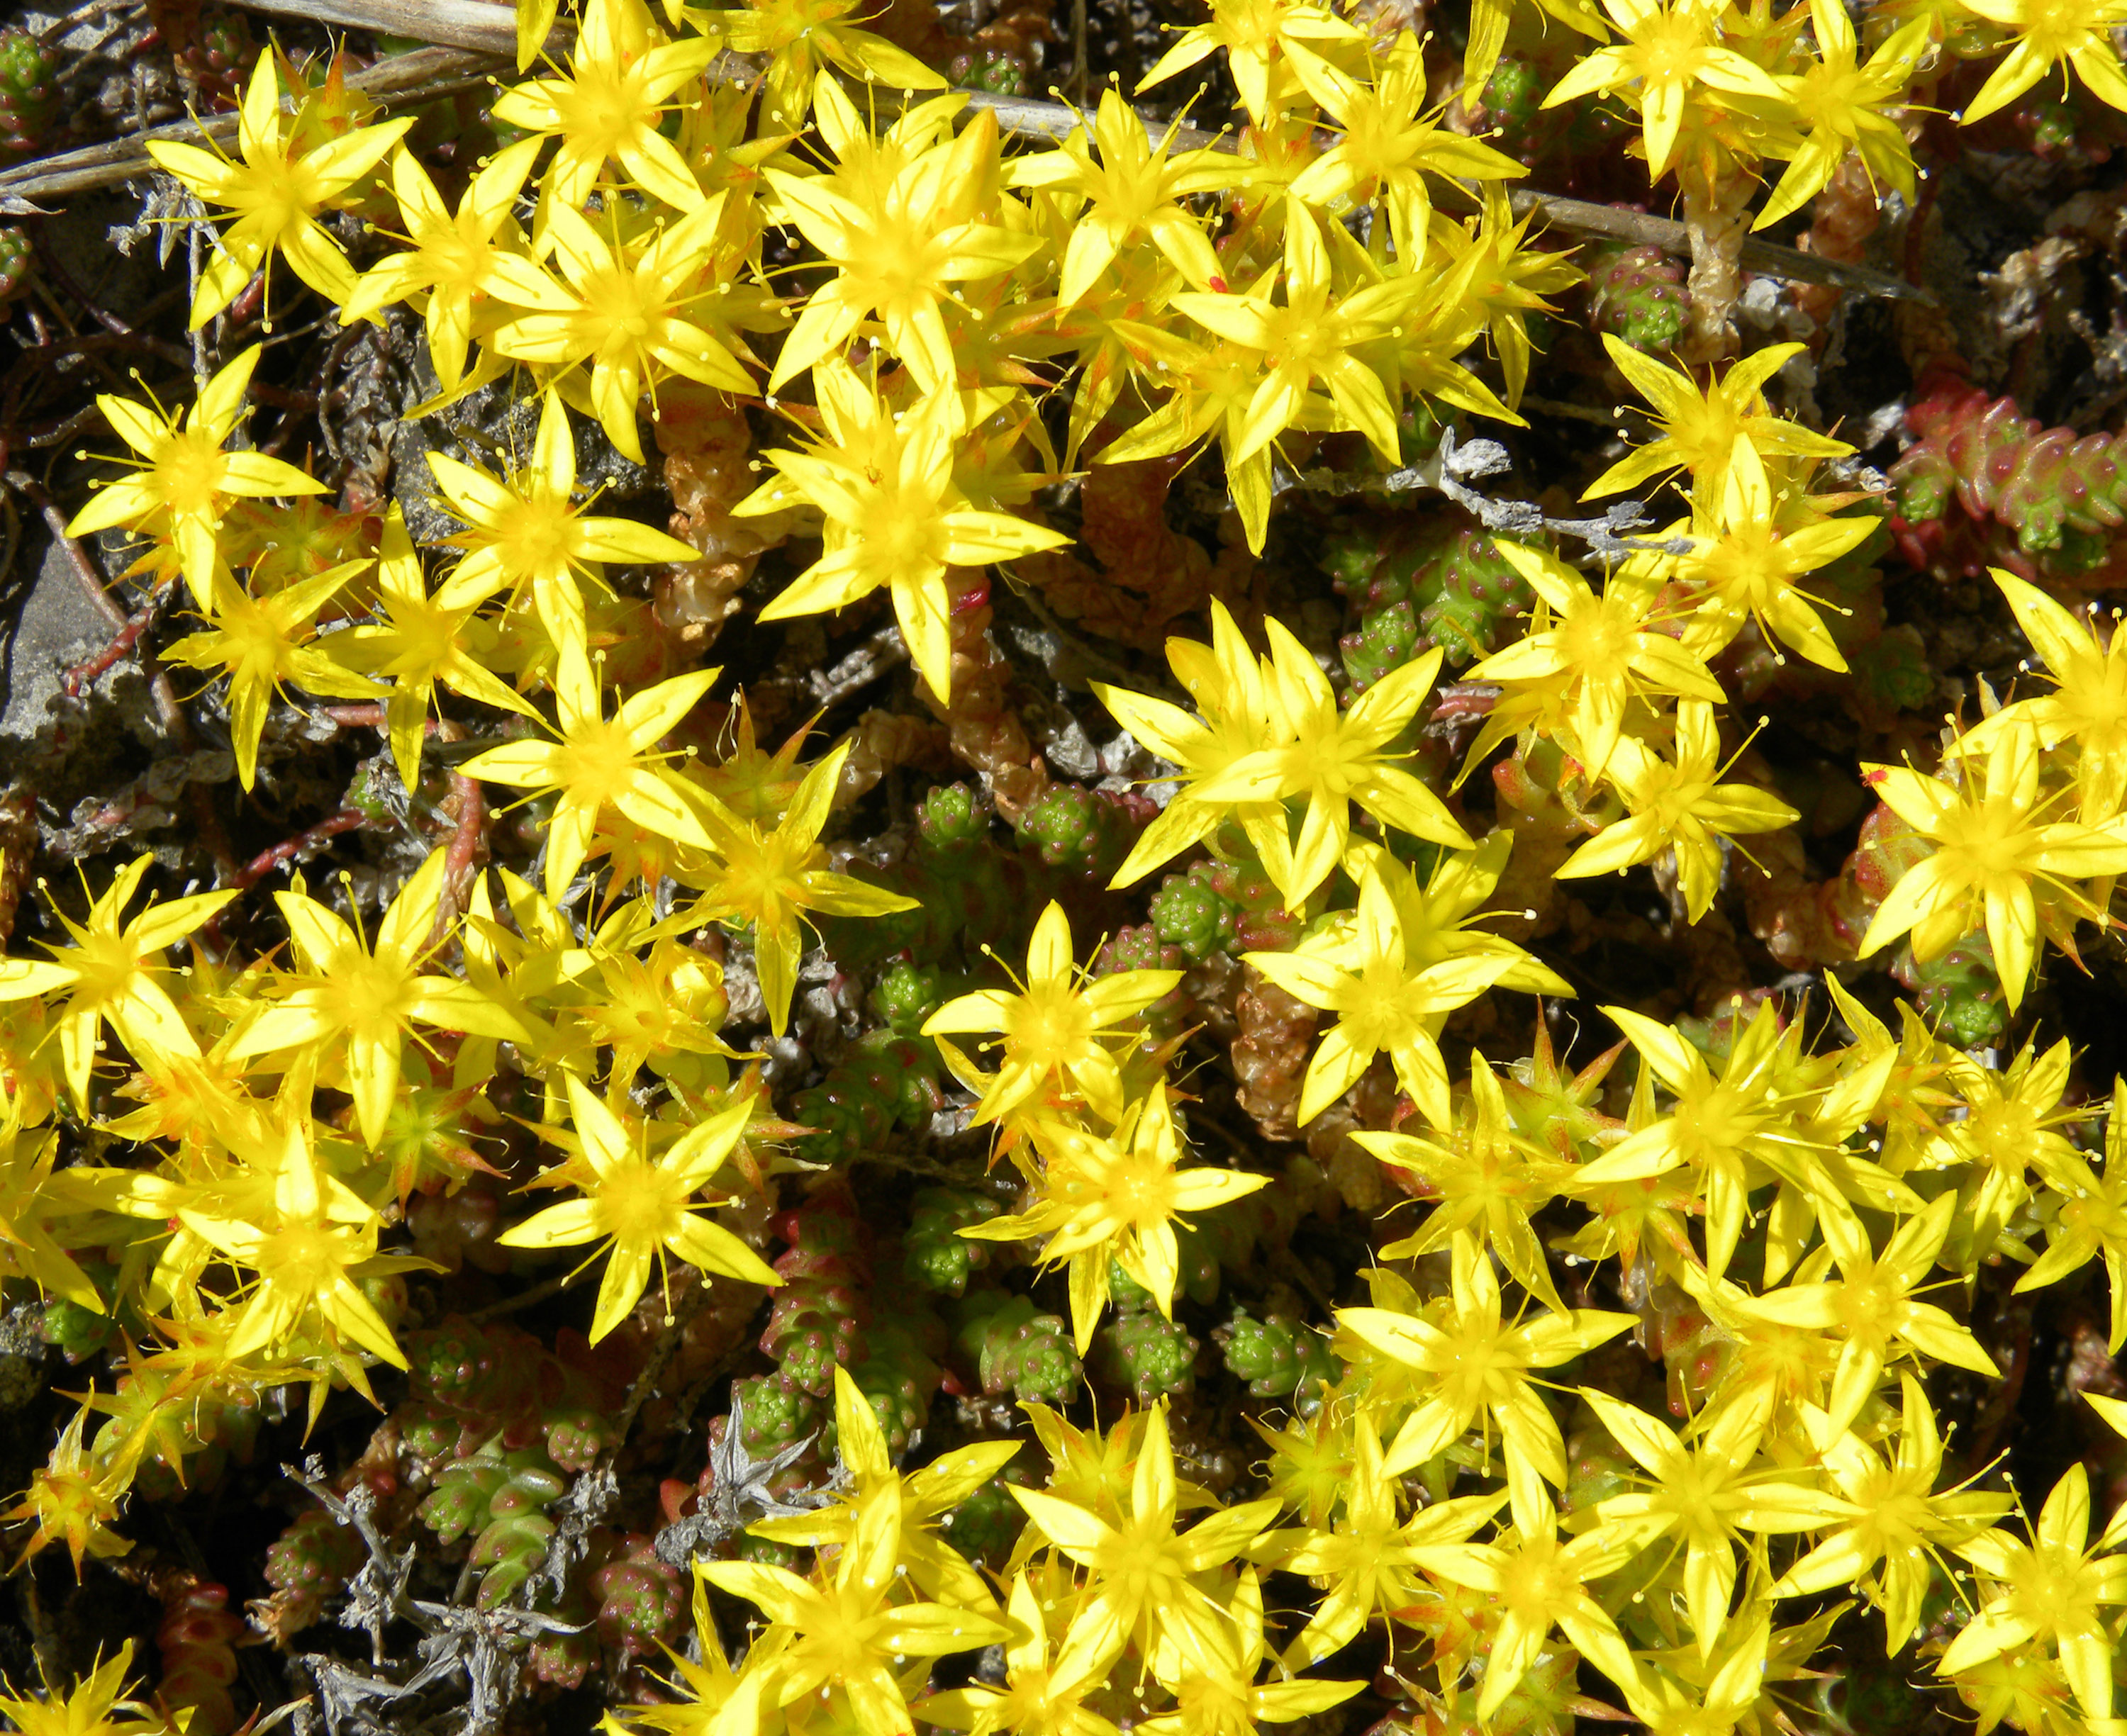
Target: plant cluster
(901, 1083)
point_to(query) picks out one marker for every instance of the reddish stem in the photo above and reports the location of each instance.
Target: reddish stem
(468, 843)
(120, 648)
(347, 820)
(468, 839)
(247, 304)
(1464, 700)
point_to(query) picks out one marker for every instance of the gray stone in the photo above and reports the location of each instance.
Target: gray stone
(57, 628)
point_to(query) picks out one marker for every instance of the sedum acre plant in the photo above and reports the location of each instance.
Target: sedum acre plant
(1089, 1246)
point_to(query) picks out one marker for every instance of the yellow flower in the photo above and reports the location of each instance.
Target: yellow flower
(2091, 1217)
(1383, 1003)
(2049, 1588)
(1731, 1687)
(1132, 193)
(30, 1196)
(1387, 148)
(900, 227)
(1333, 759)
(771, 878)
(1890, 1520)
(844, 1629)
(92, 1708)
(1115, 1199)
(72, 1501)
(622, 74)
(259, 642)
(306, 1241)
(1219, 1695)
(186, 481)
(2058, 33)
(1310, 338)
(1503, 282)
(1226, 681)
(1442, 919)
(1364, 1562)
(1060, 1032)
(1722, 1127)
(640, 1207)
(1667, 49)
(1748, 557)
(2011, 1122)
(526, 532)
(627, 312)
(1538, 1584)
(603, 763)
(1589, 654)
(924, 1497)
(277, 194)
(2088, 705)
(455, 262)
(797, 35)
(1700, 428)
(1838, 104)
(1871, 1306)
(1474, 1366)
(1210, 388)
(1683, 807)
(112, 974)
(1148, 1577)
(1489, 1179)
(896, 516)
(1707, 1494)
(357, 1004)
(1040, 1696)
(421, 642)
(1990, 846)
(1260, 38)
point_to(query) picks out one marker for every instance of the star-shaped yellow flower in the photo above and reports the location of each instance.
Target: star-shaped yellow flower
(640, 1207)
(1700, 428)
(2088, 706)
(771, 878)
(277, 193)
(1149, 1575)
(525, 532)
(599, 763)
(1992, 848)
(1680, 805)
(186, 481)
(1113, 1199)
(1475, 1366)
(608, 106)
(1134, 191)
(1666, 50)
(362, 1002)
(1333, 759)
(896, 518)
(2055, 33)
(1060, 1032)
(2053, 1587)
(112, 972)
(455, 261)
(1382, 1003)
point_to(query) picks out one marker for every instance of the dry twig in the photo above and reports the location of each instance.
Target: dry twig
(419, 76)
